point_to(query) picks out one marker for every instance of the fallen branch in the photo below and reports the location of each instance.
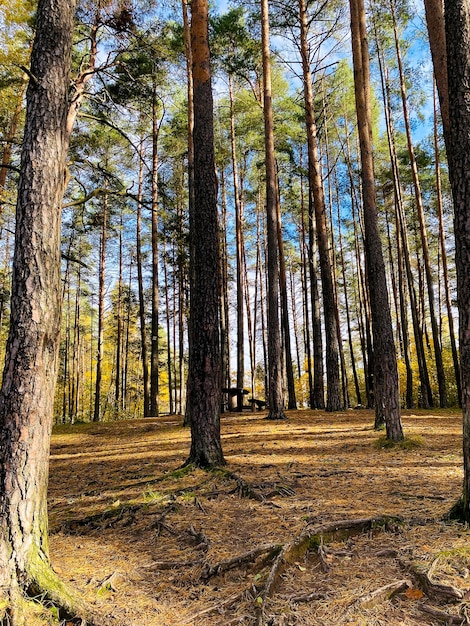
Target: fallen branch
(384, 593)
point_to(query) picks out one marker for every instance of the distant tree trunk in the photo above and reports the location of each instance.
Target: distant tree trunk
(422, 225)
(168, 332)
(119, 325)
(140, 287)
(333, 399)
(30, 373)
(154, 356)
(425, 386)
(10, 136)
(240, 274)
(275, 392)
(305, 294)
(450, 315)
(348, 314)
(224, 309)
(205, 375)
(97, 416)
(457, 20)
(387, 396)
(317, 400)
(285, 324)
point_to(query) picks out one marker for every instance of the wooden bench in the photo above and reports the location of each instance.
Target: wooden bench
(257, 405)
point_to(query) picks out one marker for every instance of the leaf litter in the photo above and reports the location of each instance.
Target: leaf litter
(312, 522)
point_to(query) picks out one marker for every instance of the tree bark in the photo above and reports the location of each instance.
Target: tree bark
(30, 373)
(333, 396)
(457, 19)
(205, 375)
(275, 382)
(387, 396)
(422, 225)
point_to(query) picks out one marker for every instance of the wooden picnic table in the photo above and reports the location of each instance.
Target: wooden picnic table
(235, 398)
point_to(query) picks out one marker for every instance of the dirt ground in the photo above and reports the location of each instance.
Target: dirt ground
(142, 539)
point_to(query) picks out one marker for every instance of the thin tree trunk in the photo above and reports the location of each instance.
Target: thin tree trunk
(140, 287)
(425, 385)
(387, 396)
(422, 225)
(333, 401)
(97, 416)
(291, 399)
(275, 392)
(450, 315)
(118, 379)
(154, 343)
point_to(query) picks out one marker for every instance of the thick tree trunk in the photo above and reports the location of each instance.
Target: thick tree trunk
(387, 396)
(457, 16)
(30, 373)
(437, 41)
(205, 375)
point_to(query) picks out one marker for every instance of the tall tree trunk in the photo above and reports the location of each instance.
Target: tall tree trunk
(275, 390)
(168, 333)
(422, 225)
(333, 399)
(285, 324)
(239, 247)
(442, 242)
(387, 396)
(140, 287)
(119, 325)
(425, 385)
(205, 375)
(10, 136)
(434, 10)
(457, 20)
(154, 357)
(30, 373)
(97, 415)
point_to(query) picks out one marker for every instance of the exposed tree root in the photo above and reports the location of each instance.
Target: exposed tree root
(47, 595)
(106, 519)
(248, 557)
(243, 489)
(382, 594)
(442, 616)
(217, 608)
(433, 590)
(313, 539)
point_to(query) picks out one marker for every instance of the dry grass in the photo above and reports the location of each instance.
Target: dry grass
(120, 513)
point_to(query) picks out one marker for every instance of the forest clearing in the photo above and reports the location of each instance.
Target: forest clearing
(141, 539)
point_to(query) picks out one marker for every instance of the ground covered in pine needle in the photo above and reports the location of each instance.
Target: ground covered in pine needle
(312, 522)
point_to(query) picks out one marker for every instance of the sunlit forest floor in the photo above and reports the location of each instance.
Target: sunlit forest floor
(140, 539)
